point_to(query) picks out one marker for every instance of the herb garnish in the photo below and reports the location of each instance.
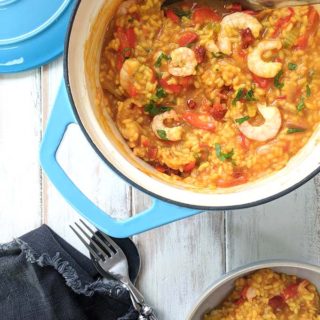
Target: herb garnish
(277, 82)
(218, 55)
(301, 105)
(162, 134)
(161, 57)
(154, 110)
(242, 93)
(308, 91)
(181, 13)
(238, 97)
(223, 156)
(292, 66)
(250, 95)
(295, 130)
(160, 93)
(242, 120)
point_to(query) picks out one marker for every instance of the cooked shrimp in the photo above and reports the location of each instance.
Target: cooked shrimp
(163, 132)
(183, 62)
(124, 7)
(237, 20)
(262, 68)
(268, 129)
(136, 78)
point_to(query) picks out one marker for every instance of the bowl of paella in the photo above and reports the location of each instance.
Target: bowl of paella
(266, 290)
(206, 105)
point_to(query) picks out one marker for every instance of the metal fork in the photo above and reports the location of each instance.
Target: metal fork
(112, 260)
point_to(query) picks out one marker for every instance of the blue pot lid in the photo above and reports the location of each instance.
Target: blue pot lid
(32, 32)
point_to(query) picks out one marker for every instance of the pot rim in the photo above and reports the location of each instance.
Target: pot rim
(135, 184)
(249, 268)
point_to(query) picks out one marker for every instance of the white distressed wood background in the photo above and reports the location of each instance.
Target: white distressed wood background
(179, 260)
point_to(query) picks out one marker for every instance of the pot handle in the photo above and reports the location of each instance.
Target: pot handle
(158, 214)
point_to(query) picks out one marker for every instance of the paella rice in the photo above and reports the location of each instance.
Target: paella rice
(213, 97)
(267, 295)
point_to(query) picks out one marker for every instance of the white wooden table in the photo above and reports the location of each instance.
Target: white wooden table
(179, 260)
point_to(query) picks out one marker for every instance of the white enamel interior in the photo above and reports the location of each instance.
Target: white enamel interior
(84, 85)
(219, 291)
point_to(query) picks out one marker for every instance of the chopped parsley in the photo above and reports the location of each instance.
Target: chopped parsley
(295, 130)
(250, 95)
(242, 93)
(238, 97)
(301, 105)
(160, 93)
(223, 156)
(218, 55)
(292, 66)
(161, 57)
(181, 13)
(162, 134)
(277, 82)
(154, 110)
(308, 91)
(242, 120)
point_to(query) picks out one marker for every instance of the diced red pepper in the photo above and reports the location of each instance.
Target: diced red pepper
(189, 167)
(290, 292)
(187, 38)
(173, 88)
(263, 83)
(222, 183)
(172, 16)
(196, 120)
(200, 53)
(152, 153)
(131, 36)
(132, 91)
(240, 301)
(191, 104)
(277, 303)
(281, 98)
(218, 111)
(313, 19)
(186, 81)
(247, 38)
(205, 14)
(283, 22)
(244, 141)
(160, 168)
(120, 61)
(145, 142)
(127, 38)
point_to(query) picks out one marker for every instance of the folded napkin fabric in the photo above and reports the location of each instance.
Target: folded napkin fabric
(43, 277)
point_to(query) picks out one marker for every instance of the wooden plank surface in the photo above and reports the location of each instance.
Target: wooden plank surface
(20, 183)
(287, 228)
(179, 260)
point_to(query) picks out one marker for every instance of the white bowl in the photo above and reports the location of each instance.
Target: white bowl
(83, 47)
(220, 290)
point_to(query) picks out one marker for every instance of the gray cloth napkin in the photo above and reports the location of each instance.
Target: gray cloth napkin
(43, 277)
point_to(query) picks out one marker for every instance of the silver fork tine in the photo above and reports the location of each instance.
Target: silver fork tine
(93, 241)
(96, 237)
(111, 242)
(85, 243)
